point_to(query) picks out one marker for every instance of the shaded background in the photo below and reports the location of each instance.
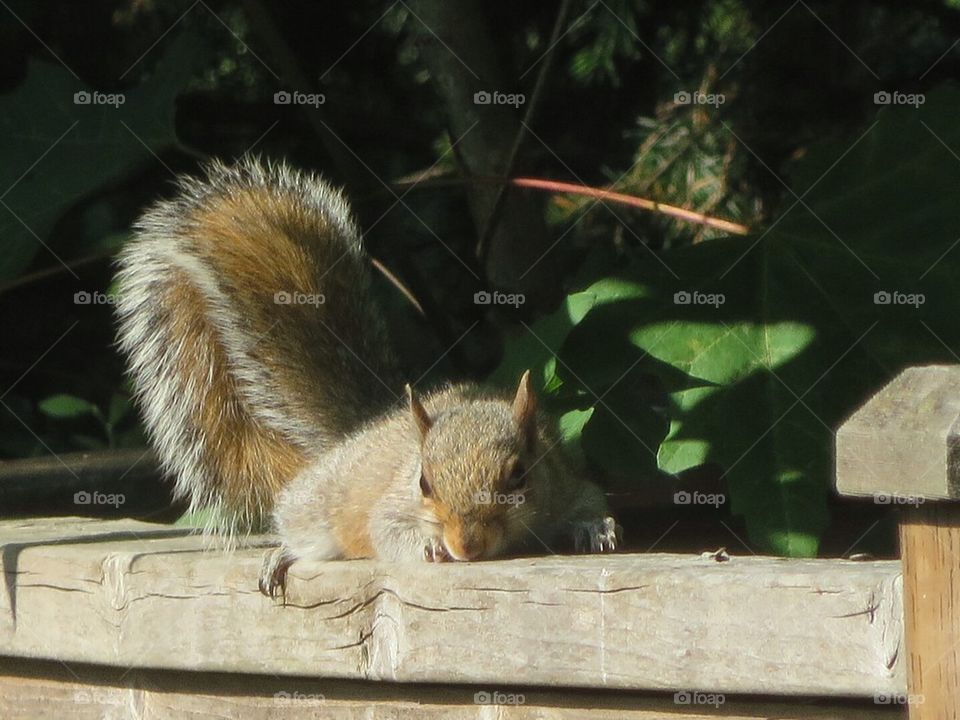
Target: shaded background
(826, 132)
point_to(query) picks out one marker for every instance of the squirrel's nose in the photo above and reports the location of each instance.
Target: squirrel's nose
(469, 548)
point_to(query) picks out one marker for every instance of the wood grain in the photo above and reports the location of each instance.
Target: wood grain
(30, 689)
(903, 443)
(134, 595)
(930, 547)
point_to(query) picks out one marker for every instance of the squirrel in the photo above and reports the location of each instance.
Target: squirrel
(263, 373)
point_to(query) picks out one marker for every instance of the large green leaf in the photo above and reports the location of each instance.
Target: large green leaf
(759, 382)
(55, 150)
(535, 348)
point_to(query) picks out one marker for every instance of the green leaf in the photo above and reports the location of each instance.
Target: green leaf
(119, 408)
(64, 407)
(533, 348)
(622, 436)
(762, 373)
(571, 425)
(55, 150)
(540, 348)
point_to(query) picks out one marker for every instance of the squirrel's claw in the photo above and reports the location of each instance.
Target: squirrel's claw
(434, 551)
(273, 573)
(597, 536)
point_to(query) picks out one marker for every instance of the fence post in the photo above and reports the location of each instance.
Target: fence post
(903, 448)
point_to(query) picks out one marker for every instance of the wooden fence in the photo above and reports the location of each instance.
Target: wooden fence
(118, 618)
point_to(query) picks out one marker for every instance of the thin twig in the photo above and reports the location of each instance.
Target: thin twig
(53, 270)
(398, 284)
(673, 211)
(632, 201)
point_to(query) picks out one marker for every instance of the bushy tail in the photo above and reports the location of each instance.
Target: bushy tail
(252, 340)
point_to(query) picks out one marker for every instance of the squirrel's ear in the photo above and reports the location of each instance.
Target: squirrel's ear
(421, 419)
(525, 409)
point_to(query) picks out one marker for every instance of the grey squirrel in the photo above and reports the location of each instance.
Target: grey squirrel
(267, 386)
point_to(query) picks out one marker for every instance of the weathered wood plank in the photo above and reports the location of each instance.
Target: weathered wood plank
(32, 689)
(50, 484)
(49, 530)
(903, 444)
(750, 625)
(16, 535)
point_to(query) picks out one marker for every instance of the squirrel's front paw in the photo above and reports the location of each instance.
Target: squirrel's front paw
(596, 536)
(434, 551)
(273, 572)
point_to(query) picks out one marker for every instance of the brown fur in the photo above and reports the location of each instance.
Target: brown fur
(261, 243)
(253, 462)
(349, 521)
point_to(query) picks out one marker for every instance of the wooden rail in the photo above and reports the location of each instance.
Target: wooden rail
(138, 595)
(29, 690)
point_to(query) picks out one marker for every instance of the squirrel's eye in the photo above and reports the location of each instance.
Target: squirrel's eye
(517, 478)
(425, 486)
